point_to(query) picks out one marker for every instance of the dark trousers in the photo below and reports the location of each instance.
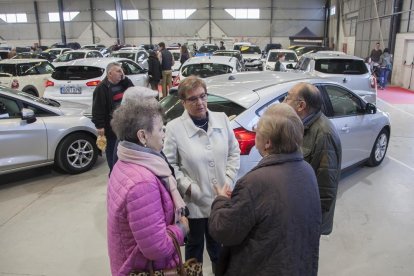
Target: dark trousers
(383, 79)
(194, 247)
(109, 152)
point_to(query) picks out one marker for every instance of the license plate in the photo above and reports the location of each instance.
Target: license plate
(70, 90)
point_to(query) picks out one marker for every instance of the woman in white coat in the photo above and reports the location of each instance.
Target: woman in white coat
(202, 148)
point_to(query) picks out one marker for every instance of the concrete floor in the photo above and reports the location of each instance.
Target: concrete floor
(53, 224)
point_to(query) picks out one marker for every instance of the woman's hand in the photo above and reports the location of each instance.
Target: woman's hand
(184, 222)
(223, 191)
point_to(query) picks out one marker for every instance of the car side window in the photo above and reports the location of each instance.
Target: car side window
(27, 69)
(44, 68)
(130, 68)
(277, 100)
(36, 110)
(8, 108)
(344, 103)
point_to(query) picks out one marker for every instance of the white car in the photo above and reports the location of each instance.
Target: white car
(252, 56)
(364, 129)
(76, 80)
(176, 53)
(57, 51)
(207, 66)
(140, 56)
(272, 56)
(76, 54)
(27, 75)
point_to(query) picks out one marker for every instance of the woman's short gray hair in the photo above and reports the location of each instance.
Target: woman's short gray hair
(283, 127)
(135, 114)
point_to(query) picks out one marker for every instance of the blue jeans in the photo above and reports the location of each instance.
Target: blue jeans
(194, 247)
(384, 73)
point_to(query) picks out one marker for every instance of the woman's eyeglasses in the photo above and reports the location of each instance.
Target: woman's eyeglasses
(194, 99)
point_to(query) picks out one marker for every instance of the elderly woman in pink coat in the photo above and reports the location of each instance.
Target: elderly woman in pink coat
(143, 202)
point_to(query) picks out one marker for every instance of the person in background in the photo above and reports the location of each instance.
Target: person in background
(376, 53)
(321, 146)
(106, 97)
(167, 61)
(385, 63)
(154, 70)
(201, 147)
(279, 63)
(144, 206)
(272, 219)
(184, 54)
(222, 46)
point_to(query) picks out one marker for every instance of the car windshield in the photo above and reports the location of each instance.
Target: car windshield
(204, 70)
(173, 107)
(208, 48)
(70, 56)
(341, 66)
(289, 57)
(77, 72)
(250, 50)
(176, 56)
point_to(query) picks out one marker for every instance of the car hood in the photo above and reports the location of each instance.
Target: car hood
(252, 56)
(73, 108)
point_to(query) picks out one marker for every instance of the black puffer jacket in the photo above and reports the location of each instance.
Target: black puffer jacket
(272, 221)
(103, 106)
(322, 150)
(154, 69)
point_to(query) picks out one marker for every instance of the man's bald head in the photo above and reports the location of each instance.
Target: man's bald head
(309, 94)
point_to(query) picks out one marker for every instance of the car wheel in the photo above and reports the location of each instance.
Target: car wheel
(379, 149)
(77, 153)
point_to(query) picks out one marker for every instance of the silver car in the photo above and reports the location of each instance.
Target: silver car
(364, 130)
(350, 71)
(37, 132)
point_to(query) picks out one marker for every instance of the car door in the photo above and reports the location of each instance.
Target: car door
(354, 126)
(134, 72)
(22, 143)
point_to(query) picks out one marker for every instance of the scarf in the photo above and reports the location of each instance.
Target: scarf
(153, 161)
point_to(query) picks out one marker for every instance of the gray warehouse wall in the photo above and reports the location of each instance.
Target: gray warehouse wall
(289, 17)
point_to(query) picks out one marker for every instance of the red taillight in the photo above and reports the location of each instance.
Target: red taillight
(93, 83)
(246, 140)
(49, 83)
(176, 81)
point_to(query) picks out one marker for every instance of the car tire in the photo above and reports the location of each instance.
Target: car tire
(379, 149)
(76, 153)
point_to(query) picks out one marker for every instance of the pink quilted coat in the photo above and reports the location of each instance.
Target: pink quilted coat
(140, 210)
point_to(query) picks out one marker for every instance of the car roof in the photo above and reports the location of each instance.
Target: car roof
(249, 82)
(130, 50)
(228, 51)
(81, 51)
(211, 59)
(22, 60)
(93, 62)
(281, 50)
(331, 55)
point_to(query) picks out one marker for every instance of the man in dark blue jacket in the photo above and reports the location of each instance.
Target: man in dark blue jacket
(167, 61)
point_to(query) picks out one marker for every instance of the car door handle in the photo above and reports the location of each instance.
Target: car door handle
(345, 129)
(344, 80)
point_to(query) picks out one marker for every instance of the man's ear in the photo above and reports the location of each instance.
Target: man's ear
(302, 106)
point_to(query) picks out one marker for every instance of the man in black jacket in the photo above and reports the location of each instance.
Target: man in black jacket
(106, 97)
(321, 146)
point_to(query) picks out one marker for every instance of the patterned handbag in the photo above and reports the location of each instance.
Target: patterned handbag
(190, 268)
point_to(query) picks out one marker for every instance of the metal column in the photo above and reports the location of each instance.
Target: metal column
(209, 21)
(92, 21)
(62, 22)
(149, 21)
(271, 21)
(119, 23)
(36, 11)
(395, 24)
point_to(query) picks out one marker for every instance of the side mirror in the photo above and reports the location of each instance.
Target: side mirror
(289, 66)
(370, 108)
(28, 115)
